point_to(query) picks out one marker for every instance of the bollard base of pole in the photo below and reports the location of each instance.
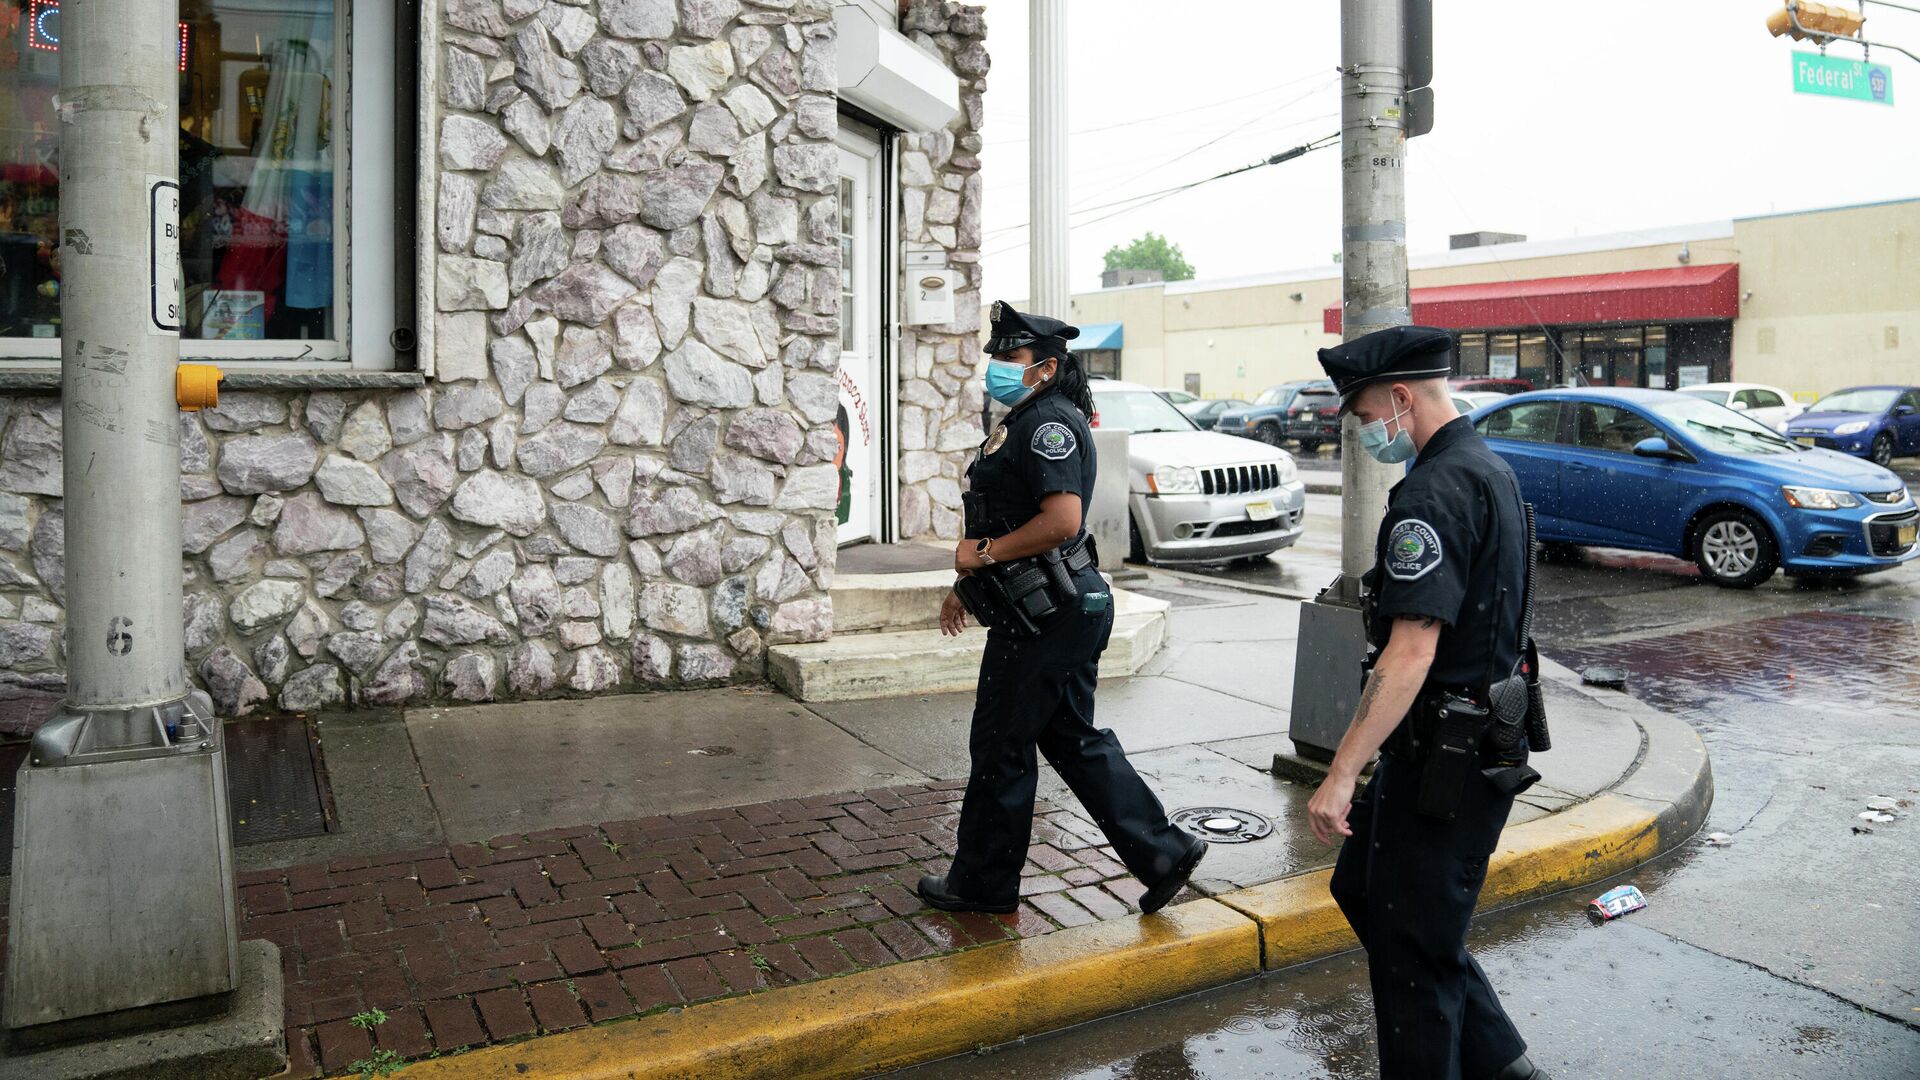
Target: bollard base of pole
(245, 1041)
(1327, 679)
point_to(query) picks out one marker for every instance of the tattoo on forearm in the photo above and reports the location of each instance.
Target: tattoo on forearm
(1367, 694)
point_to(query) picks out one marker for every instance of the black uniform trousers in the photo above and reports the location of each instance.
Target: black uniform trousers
(1407, 884)
(1037, 693)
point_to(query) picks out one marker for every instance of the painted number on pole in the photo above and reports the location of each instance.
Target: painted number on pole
(163, 256)
(1386, 163)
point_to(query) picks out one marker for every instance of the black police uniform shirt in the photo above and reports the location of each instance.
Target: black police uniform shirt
(1044, 446)
(1453, 548)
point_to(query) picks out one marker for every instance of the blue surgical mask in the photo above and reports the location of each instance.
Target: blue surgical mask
(1006, 382)
(1373, 439)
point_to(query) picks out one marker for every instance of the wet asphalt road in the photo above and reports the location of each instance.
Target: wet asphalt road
(1793, 952)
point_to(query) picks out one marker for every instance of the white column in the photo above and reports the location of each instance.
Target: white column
(1047, 170)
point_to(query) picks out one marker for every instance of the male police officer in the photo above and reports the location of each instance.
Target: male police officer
(1444, 603)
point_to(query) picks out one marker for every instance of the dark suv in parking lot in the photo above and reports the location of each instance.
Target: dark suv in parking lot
(1314, 417)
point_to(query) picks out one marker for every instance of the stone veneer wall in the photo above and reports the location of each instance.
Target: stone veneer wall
(622, 475)
(940, 392)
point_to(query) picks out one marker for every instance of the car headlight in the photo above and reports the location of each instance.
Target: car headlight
(1175, 480)
(1287, 470)
(1854, 428)
(1806, 498)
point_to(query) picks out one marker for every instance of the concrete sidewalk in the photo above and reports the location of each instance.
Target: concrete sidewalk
(510, 870)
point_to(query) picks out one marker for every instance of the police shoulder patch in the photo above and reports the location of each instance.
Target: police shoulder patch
(1413, 550)
(1054, 441)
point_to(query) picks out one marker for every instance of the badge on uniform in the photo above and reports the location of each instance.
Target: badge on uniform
(996, 440)
(1413, 550)
(1054, 441)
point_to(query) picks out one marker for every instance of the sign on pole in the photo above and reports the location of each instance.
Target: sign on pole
(1832, 76)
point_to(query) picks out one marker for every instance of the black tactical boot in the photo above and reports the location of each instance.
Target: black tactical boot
(1521, 1069)
(935, 892)
(1156, 897)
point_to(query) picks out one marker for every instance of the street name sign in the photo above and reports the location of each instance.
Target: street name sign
(1832, 76)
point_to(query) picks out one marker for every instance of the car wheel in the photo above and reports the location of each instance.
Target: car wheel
(1734, 549)
(1136, 548)
(1270, 434)
(1882, 451)
(1309, 446)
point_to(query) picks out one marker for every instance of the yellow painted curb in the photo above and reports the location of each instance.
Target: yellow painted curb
(1300, 922)
(894, 1016)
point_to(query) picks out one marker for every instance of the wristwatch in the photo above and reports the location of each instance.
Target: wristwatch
(984, 549)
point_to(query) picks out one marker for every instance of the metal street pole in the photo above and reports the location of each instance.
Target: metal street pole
(122, 897)
(1047, 170)
(1373, 243)
(1373, 273)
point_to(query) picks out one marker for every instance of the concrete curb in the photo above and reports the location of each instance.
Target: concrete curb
(1328, 487)
(890, 1017)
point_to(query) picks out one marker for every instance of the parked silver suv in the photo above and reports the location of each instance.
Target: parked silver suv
(1194, 496)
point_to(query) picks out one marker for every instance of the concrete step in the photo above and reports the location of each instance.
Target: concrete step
(902, 663)
(863, 603)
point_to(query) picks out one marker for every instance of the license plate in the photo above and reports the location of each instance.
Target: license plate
(1261, 511)
(1807, 440)
(1907, 534)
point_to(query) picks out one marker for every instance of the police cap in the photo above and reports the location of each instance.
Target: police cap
(1012, 329)
(1398, 353)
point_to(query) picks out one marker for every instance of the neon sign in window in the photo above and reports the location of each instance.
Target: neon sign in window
(43, 29)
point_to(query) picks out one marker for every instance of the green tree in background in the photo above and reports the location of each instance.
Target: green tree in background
(1151, 252)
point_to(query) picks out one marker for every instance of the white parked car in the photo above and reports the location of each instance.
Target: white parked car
(1194, 496)
(1768, 405)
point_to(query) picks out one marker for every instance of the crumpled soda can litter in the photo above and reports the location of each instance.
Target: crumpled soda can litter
(1614, 903)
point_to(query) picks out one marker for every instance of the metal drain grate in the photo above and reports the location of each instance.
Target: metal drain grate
(1223, 824)
(276, 781)
(276, 784)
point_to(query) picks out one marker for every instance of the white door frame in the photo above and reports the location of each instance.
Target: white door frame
(866, 320)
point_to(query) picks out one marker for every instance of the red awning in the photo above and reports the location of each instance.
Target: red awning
(1636, 296)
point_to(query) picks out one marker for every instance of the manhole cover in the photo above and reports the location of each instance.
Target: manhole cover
(1223, 825)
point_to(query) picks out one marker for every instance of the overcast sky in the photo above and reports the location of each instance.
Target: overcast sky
(1552, 120)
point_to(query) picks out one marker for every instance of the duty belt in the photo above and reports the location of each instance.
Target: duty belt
(1019, 595)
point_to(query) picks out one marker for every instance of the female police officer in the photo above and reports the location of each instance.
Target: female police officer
(1029, 487)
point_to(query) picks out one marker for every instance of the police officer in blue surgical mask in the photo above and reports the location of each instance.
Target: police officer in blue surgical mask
(1444, 606)
(1027, 571)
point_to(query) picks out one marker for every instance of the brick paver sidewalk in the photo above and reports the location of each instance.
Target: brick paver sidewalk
(484, 943)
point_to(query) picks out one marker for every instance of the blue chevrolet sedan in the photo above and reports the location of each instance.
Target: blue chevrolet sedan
(1659, 471)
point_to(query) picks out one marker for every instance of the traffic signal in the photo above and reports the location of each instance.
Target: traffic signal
(1827, 19)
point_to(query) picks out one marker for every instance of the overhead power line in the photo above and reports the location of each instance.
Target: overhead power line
(1138, 201)
(1138, 120)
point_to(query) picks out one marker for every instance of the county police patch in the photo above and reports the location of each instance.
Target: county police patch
(1053, 441)
(1413, 549)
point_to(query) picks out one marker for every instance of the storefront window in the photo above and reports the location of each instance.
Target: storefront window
(1536, 357)
(1656, 351)
(1503, 356)
(1473, 354)
(261, 161)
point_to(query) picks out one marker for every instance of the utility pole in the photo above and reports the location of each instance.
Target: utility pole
(122, 905)
(1047, 167)
(1373, 244)
(1374, 124)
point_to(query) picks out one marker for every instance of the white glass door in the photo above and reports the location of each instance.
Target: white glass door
(862, 396)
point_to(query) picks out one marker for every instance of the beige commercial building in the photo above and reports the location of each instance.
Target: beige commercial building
(1808, 301)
